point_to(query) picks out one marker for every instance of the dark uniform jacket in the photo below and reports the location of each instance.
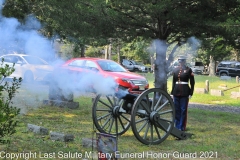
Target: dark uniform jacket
(182, 75)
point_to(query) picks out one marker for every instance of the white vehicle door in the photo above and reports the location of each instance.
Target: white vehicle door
(11, 60)
(36, 66)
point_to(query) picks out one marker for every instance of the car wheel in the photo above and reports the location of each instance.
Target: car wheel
(28, 77)
(223, 74)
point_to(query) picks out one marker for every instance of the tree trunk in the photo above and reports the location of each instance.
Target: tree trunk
(152, 62)
(212, 67)
(110, 51)
(161, 67)
(106, 52)
(118, 53)
(82, 50)
(237, 55)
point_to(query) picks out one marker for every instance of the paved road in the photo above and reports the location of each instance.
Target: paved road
(219, 108)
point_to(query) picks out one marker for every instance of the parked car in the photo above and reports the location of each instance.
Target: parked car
(141, 67)
(132, 82)
(197, 67)
(30, 68)
(134, 66)
(228, 68)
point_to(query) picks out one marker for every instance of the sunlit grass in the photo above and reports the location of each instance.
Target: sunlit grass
(213, 131)
(214, 83)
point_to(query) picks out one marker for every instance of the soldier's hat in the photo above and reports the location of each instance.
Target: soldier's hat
(182, 59)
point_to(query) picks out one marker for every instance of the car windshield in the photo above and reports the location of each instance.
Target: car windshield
(111, 66)
(35, 60)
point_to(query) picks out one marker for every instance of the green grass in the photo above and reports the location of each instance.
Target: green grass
(214, 83)
(215, 133)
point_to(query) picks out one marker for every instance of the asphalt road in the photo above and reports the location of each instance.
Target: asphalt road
(219, 108)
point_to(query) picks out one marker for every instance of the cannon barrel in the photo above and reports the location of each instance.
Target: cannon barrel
(124, 94)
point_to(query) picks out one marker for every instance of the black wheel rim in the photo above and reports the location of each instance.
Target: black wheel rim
(109, 116)
(152, 117)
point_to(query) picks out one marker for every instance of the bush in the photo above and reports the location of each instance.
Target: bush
(8, 113)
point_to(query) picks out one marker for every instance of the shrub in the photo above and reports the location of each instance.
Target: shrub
(8, 113)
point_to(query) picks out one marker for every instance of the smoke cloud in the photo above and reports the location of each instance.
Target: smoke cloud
(193, 44)
(16, 37)
(24, 38)
(83, 82)
(188, 48)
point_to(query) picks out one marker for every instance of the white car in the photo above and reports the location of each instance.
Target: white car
(30, 68)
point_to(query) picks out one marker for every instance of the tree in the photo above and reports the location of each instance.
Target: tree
(215, 49)
(166, 22)
(137, 50)
(18, 9)
(8, 113)
(76, 21)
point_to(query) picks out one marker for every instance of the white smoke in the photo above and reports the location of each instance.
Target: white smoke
(83, 82)
(24, 38)
(193, 44)
(16, 37)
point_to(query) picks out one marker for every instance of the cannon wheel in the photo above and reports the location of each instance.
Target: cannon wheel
(152, 117)
(109, 116)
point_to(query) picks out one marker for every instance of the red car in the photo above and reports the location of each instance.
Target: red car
(107, 69)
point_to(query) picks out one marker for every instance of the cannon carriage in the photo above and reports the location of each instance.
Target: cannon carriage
(150, 114)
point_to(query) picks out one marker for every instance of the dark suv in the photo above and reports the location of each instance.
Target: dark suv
(228, 68)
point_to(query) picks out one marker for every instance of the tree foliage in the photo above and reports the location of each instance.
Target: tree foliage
(165, 22)
(79, 22)
(217, 48)
(137, 50)
(8, 113)
(169, 22)
(17, 8)
(94, 51)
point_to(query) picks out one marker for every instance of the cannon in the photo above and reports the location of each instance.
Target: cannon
(150, 114)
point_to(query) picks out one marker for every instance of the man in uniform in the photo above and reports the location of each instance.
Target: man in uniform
(182, 92)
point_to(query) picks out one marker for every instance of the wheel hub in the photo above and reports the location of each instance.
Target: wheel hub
(154, 116)
(116, 112)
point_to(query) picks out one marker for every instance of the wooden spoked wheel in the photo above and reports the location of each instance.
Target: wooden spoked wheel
(152, 116)
(109, 116)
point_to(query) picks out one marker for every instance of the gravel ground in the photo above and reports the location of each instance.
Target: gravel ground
(219, 108)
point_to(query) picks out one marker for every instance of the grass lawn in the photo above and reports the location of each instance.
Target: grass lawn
(214, 83)
(216, 134)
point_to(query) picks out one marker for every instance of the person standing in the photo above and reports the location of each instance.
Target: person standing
(182, 92)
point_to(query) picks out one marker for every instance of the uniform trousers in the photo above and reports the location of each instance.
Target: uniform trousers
(181, 105)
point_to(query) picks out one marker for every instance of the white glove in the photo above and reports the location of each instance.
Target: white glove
(171, 96)
(189, 97)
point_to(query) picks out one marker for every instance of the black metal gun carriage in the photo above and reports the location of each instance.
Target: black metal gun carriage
(150, 114)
